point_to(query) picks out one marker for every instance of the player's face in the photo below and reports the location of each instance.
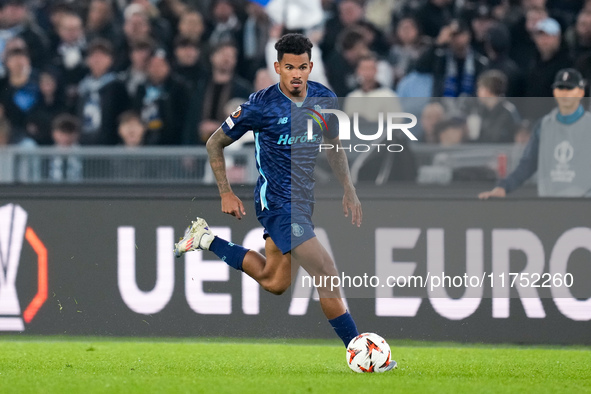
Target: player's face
(294, 71)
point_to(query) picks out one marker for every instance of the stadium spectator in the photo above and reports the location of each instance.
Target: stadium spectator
(497, 118)
(340, 67)
(131, 129)
(27, 168)
(68, 53)
(162, 102)
(408, 46)
(295, 15)
(578, 37)
(254, 39)
(349, 14)
(370, 98)
(433, 15)
(50, 105)
(583, 64)
(416, 88)
(481, 20)
(132, 133)
(566, 11)
(552, 56)
(496, 47)
(102, 96)
(209, 99)
(9, 136)
(523, 48)
(187, 60)
(454, 63)
(19, 90)
(192, 26)
(374, 38)
(136, 28)
(451, 132)
(136, 25)
(55, 11)
(432, 114)
(380, 12)
(529, 54)
(101, 23)
(65, 131)
(224, 25)
(159, 26)
(500, 9)
(369, 101)
(136, 73)
(352, 15)
(558, 146)
(173, 10)
(15, 22)
(262, 79)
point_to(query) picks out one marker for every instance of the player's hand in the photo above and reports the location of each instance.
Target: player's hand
(232, 205)
(497, 192)
(352, 203)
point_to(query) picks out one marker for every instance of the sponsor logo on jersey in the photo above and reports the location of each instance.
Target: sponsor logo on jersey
(286, 139)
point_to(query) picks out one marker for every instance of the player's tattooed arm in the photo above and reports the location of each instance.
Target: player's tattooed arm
(215, 149)
(231, 204)
(339, 163)
(340, 166)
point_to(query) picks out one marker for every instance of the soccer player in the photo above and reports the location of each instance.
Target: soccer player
(284, 192)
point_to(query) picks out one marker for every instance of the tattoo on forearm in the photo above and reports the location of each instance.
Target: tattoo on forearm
(218, 166)
(340, 166)
(215, 149)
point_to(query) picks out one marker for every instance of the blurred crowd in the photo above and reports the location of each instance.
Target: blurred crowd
(168, 72)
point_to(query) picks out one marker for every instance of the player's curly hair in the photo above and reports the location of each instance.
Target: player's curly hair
(295, 44)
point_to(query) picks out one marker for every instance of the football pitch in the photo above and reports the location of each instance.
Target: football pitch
(100, 365)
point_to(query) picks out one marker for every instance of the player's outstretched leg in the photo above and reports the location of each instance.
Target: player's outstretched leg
(271, 272)
(314, 258)
(199, 236)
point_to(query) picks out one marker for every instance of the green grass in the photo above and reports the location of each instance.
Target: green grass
(95, 365)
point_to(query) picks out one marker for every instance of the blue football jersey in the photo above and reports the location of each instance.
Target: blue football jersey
(285, 155)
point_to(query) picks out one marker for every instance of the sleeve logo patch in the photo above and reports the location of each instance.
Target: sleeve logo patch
(230, 122)
(237, 112)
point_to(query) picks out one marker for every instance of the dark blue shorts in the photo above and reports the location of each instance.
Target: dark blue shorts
(288, 226)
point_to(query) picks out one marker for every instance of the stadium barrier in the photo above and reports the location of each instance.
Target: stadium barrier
(120, 165)
(189, 165)
(88, 265)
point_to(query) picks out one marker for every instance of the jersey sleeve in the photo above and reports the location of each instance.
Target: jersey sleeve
(243, 119)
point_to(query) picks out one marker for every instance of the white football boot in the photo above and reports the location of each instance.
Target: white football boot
(198, 236)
